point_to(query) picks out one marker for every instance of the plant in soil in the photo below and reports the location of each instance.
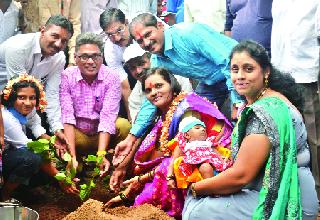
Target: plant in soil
(86, 188)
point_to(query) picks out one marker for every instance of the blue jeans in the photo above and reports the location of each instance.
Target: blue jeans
(217, 93)
(20, 165)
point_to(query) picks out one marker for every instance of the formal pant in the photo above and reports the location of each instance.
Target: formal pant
(89, 143)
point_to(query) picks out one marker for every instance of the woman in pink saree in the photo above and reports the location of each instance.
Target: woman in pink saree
(154, 155)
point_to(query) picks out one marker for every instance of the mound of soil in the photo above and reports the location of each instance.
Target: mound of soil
(93, 210)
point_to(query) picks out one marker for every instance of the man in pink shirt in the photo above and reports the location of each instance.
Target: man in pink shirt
(90, 96)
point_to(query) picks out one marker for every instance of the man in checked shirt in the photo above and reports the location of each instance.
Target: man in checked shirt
(89, 96)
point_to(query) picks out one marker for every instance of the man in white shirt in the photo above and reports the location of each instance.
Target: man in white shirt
(40, 54)
(212, 13)
(9, 15)
(115, 26)
(132, 8)
(294, 49)
(90, 14)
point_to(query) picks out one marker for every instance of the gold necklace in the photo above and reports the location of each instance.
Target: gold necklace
(260, 95)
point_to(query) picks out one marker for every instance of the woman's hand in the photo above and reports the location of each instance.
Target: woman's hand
(123, 149)
(117, 177)
(104, 167)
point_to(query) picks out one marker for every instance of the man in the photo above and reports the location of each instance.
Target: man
(41, 55)
(137, 61)
(115, 26)
(90, 96)
(295, 50)
(192, 50)
(90, 14)
(9, 15)
(37, 12)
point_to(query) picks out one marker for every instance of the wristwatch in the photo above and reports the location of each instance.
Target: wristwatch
(193, 192)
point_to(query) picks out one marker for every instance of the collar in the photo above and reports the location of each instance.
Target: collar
(79, 76)
(21, 118)
(167, 40)
(36, 47)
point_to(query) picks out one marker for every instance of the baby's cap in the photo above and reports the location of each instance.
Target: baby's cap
(188, 122)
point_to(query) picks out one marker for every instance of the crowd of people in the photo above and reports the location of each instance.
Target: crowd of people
(213, 109)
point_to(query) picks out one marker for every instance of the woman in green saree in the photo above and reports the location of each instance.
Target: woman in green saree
(270, 178)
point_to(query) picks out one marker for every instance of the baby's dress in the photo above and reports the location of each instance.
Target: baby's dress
(196, 153)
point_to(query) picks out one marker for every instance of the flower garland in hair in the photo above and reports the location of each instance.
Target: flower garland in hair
(166, 124)
(28, 78)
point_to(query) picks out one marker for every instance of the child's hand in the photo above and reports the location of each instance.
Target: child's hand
(171, 184)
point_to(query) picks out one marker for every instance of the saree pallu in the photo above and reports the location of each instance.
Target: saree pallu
(279, 197)
(156, 192)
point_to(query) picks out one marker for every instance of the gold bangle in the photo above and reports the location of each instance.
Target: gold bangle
(139, 179)
(101, 153)
(193, 191)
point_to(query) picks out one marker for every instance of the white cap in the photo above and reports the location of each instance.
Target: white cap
(132, 51)
(188, 122)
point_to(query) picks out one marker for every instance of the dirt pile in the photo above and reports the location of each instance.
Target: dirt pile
(93, 210)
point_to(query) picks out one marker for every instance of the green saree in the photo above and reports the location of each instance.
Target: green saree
(279, 197)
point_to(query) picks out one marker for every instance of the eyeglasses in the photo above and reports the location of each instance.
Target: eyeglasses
(118, 32)
(85, 57)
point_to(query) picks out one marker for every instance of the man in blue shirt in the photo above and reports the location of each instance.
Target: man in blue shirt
(195, 51)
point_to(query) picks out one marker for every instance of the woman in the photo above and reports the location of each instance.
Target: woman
(154, 154)
(270, 177)
(20, 98)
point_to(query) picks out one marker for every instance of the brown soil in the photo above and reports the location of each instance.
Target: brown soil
(52, 204)
(93, 209)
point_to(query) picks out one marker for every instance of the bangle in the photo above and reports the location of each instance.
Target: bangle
(139, 179)
(123, 197)
(101, 153)
(193, 191)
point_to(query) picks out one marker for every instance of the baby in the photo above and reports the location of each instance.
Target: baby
(195, 158)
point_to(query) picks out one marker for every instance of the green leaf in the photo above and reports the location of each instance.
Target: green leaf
(83, 186)
(53, 140)
(92, 184)
(60, 176)
(73, 172)
(44, 141)
(91, 158)
(99, 160)
(96, 171)
(68, 180)
(67, 157)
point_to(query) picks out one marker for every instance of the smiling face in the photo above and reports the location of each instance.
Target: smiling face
(247, 75)
(138, 71)
(89, 60)
(149, 38)
(158, 92)
(196, 133)
(53, 39)
(118, 33)
(26, 100)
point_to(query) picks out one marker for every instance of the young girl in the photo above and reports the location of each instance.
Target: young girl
(21, 97)
(201, 156)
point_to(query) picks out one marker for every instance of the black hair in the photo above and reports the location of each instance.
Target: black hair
(111, 15)
(146, 19)
(14, 93)
(137, 61)
(166, 75)
(278, 81)
(89, 38)
(61, 21)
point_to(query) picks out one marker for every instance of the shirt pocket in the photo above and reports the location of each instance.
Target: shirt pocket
(98, 101)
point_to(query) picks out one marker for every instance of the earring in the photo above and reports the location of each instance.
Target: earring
(266, 81)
